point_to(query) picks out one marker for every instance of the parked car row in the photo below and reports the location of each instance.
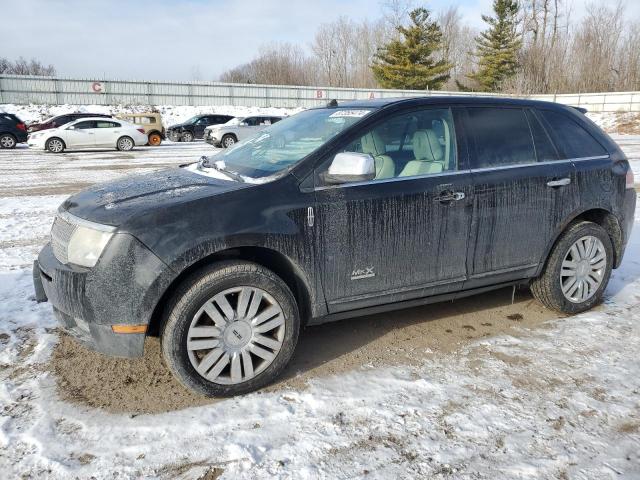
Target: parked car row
(124, 131)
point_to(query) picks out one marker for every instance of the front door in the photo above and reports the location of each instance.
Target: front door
(82, 135)
(523, 192)
(404, 234)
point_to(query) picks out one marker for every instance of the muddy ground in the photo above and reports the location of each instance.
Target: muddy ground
(407, 336)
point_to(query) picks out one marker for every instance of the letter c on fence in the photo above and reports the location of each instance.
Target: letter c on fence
(96, 87)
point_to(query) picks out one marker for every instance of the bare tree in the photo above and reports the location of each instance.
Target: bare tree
(26, 67)
(457, 45)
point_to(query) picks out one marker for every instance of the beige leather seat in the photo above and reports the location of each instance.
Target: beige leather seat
(374, 146)
(428, 153)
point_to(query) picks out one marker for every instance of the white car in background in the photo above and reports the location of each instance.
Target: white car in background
(237, 129)
(92, 132)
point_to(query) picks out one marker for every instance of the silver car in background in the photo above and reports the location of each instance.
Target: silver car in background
(237, 129)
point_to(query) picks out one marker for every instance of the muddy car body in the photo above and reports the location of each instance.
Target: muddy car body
(337, 212)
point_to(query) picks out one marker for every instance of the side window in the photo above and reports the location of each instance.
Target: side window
(251, 121)
(62, 120)
(203, 121)
(417, 143)
(275, 119)
(502, 137)
(104, 124)
(85, 125)
(572, 140)
(545, 151)
(265, 121)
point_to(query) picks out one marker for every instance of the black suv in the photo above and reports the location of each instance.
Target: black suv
(59, 120)
(335, 212)
(194, 127)
(12, 130)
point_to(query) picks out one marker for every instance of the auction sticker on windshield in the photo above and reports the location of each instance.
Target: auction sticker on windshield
(349, 113)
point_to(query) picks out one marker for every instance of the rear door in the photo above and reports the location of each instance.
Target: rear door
(250, 127)
(107, 133)
(523, 192)
(82, 135)
(403, 235)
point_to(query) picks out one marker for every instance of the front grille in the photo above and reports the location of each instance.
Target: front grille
(60, 235)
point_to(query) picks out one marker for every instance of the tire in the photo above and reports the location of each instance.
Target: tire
(8, 141)
(228, 140)
(125, 144)
(226, 344)
(569, 265)
(187, 137)
(155, 139)
(55, 145)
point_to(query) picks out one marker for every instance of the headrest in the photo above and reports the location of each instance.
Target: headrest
(373, 144)
(426, 146)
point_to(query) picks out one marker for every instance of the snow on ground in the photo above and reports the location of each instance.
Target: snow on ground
(562, 401)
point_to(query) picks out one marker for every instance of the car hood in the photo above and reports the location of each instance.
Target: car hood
(115, 203)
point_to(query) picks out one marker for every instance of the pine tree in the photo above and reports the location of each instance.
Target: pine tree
(497, 48)
(407, 62)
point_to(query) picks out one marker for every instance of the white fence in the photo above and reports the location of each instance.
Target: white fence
(49, 90)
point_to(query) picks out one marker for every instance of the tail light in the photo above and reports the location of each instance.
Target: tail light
(21, 126)
(141, 130)
(629, 183)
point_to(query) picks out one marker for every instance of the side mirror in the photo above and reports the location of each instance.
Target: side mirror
(244, 124)
(348, 167)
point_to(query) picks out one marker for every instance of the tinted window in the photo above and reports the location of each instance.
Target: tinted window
(275, 119)
(545, 150)
(572, 140)
(251, 121)
(502, 137)
(103, 124)
(61, 120)
(85, 125)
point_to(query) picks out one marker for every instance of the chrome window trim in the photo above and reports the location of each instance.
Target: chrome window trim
(457, 172)
(388, 180)
(81, 222)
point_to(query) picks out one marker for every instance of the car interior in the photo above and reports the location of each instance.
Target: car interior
(418, 143)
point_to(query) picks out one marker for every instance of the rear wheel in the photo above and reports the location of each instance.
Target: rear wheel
(155, 139)
(228, 140)
(7, 141)
(124, 144)
(55, 145)
(187, 137)
(577, 271)
(230, 329)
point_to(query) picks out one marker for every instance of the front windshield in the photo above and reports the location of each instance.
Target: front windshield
(192, 120)
(285, 143)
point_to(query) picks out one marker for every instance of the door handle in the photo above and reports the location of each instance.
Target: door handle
(559, 183)
(449, 196)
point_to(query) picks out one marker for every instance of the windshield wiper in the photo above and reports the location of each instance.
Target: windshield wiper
(219, 166)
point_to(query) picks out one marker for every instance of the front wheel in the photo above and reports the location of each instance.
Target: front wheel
(7, 141)
(578, 269)
(55, 145)
(187, 137)
(230, 329)
(228, 141)
(125, 144)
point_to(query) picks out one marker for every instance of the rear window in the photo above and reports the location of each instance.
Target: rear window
(502, 137)
(572, 140)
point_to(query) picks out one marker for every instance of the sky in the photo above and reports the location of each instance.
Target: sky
(182, 39)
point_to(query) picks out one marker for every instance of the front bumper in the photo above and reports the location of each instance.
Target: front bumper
(122, 289)
(211, 139)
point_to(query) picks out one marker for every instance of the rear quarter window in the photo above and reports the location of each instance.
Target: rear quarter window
(572, 139)
(502, 137)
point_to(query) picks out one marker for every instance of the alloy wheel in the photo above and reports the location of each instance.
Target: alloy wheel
(55, 145)
(7, 141)
(583, 269)
(236, 335)
(125, 144)
(229, 142)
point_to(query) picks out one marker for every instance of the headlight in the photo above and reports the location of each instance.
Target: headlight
(78, 241)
